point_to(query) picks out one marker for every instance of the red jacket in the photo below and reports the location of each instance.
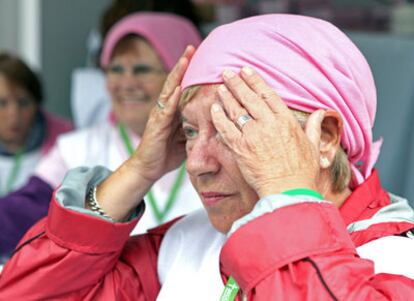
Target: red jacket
(309, 256)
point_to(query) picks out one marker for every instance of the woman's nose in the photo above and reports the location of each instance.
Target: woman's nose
(129, 81)
(13, 111)
(202, 159)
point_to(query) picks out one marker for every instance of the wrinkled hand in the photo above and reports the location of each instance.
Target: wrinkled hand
(162, 147)
(273, 152)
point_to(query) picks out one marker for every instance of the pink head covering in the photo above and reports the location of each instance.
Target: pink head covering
(169, 34)
(310, 63)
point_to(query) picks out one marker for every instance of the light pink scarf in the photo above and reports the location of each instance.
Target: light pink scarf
(310, 63)
(169, 34)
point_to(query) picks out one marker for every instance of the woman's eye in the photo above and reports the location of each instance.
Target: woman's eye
(116, 69)
(24, 102)
(189, 132)
(3, 103)
(142, 69)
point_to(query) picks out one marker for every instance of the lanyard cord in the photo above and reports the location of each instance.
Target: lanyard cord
(230, 290)
(172, 198)
(17, 163)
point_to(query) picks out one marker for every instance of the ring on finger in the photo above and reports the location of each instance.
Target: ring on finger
(160, 105)
(242, 120)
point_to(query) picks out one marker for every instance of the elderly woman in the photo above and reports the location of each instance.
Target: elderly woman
(285, 178)
(138, 52)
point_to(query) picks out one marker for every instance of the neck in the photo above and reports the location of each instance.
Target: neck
(138, 132)
(337, 198)
(11, 147)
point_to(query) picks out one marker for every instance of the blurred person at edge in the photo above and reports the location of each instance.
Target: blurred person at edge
(277, 112)
(26, 131)
(138, 53)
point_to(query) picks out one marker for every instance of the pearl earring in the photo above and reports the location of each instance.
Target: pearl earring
(324, 162)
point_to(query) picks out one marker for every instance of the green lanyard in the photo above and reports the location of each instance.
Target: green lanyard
(230, 290)
(159, 214)
(17, 163)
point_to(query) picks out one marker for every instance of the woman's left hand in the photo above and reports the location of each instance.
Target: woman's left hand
(273, 152)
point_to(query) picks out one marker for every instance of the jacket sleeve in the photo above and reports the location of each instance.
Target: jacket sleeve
(73, 255)
(303, 252)
(20, 210)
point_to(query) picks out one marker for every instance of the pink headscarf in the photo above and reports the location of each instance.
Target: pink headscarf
(310, 63)
(169, 34)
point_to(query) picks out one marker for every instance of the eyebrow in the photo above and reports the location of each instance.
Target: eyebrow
(183, 118)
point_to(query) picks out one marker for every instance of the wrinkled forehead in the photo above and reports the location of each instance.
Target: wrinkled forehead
(197, 100)
(128, 43)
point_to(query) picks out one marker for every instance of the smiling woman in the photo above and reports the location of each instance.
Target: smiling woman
(137, 54)
(134, 77)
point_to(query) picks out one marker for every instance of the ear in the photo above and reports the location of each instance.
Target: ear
(331, 131)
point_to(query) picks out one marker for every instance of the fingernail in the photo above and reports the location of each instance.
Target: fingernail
(215, 107)
(223, 88)
(228, 74)
(247, 71)
(322, 114)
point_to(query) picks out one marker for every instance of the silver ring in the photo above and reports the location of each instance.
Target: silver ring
(242, 120)
(160, 105)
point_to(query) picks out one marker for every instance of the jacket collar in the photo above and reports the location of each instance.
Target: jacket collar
(365, 200)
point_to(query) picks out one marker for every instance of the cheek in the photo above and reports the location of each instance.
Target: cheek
(155, 88)
(188, 148)
(111, 87)
(30, 114)
(228, 161)
(232, 169)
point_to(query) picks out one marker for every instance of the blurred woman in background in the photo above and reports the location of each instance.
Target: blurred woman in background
(26, 131)
(89, 82)
(138, 53)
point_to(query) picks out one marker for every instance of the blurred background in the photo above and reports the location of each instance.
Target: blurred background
(58, 37)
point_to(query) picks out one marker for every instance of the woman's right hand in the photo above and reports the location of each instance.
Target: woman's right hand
(162, 146)
(161, 150)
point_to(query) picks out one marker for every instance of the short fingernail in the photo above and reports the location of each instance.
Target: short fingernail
(215, 107)
(228, 74)
(247, 71)
(322, 114)
(223, 88)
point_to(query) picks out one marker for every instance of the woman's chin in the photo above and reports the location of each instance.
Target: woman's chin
(221, 224)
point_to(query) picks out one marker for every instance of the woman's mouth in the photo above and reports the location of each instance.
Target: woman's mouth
(134, 101)
(212, 198)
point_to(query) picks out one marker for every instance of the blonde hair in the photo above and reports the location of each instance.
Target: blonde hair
(187, 95)
(340, 170)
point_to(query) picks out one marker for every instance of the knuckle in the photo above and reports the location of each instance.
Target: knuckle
(256, 80)
(164, 95)
(266, 94)
(235, 82)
